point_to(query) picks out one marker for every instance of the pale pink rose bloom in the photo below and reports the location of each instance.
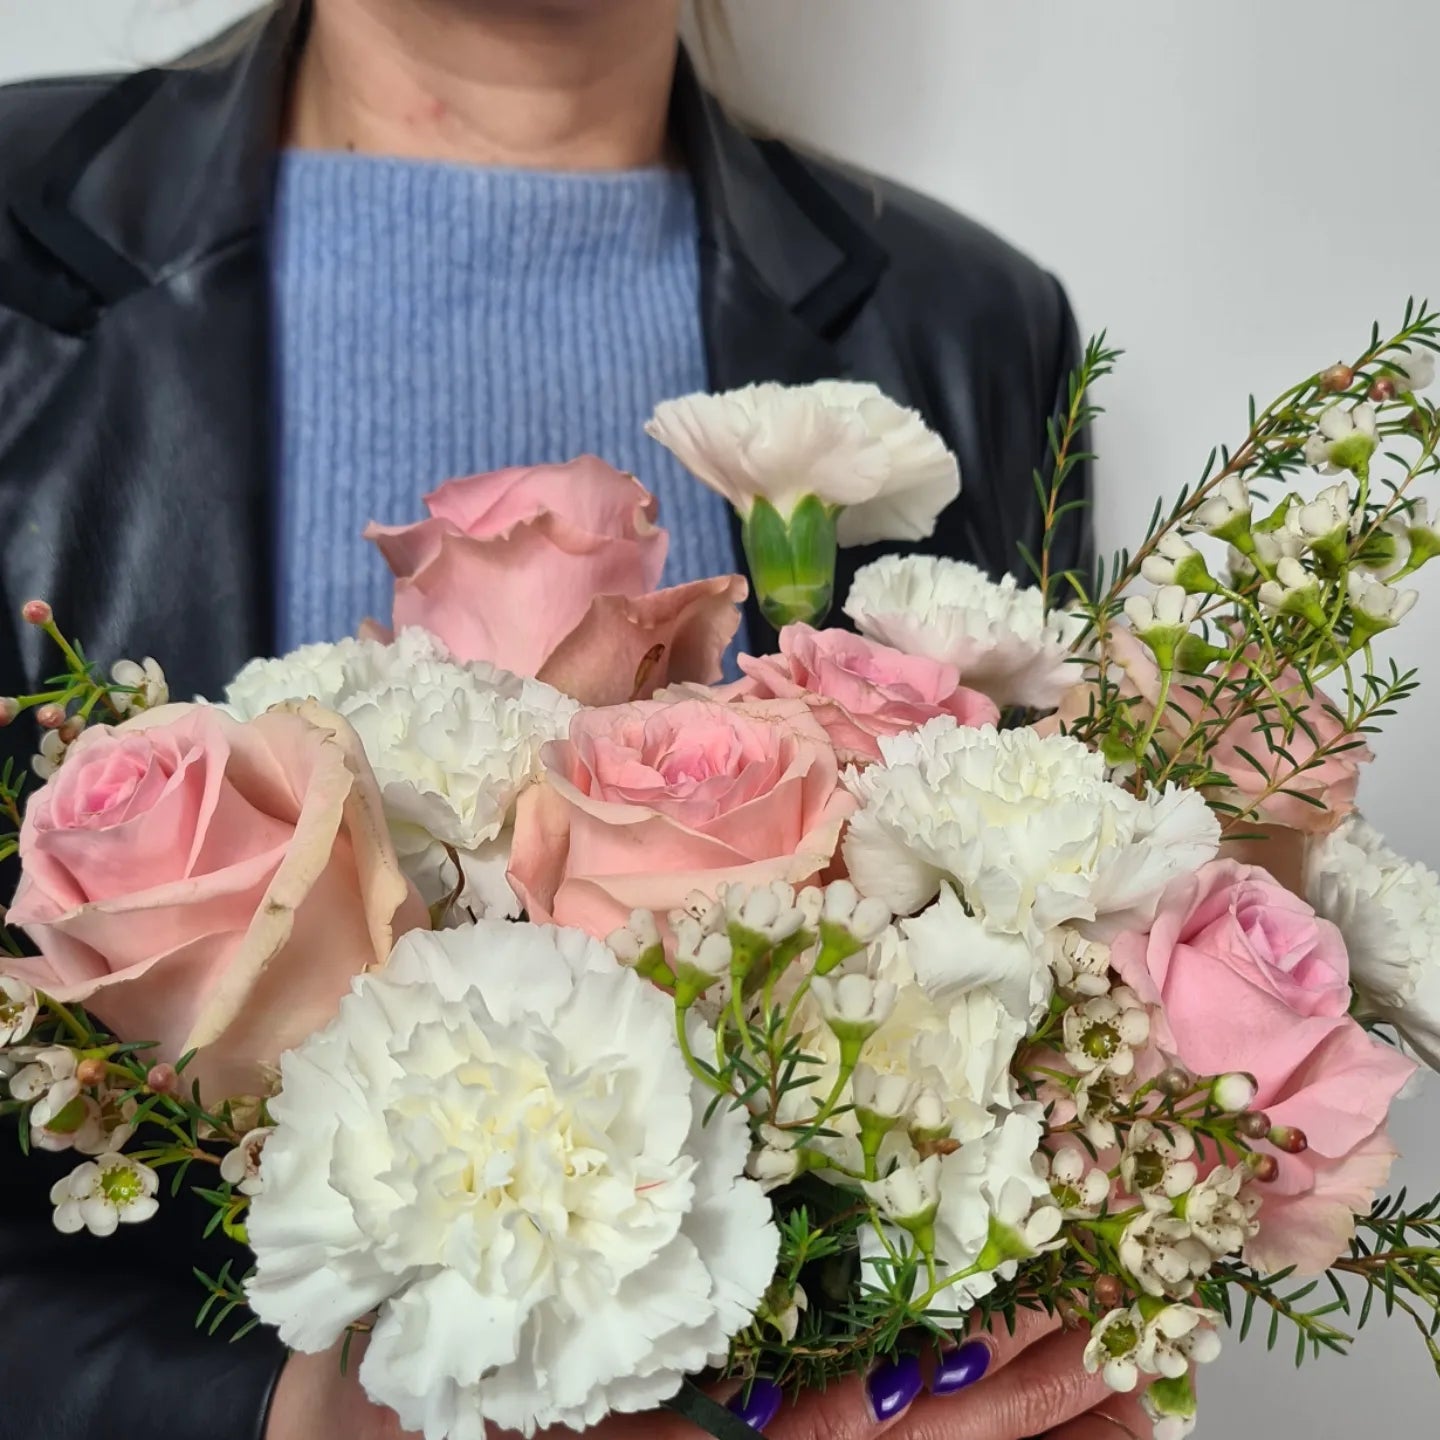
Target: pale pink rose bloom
(1248, 978)
(645, 803)
(209, 884)
(1332, 783)
(861, 690)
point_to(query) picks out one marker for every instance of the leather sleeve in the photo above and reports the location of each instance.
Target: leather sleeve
(100, 1335)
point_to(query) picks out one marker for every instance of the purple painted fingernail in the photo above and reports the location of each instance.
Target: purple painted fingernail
(960, 1368)
(893, 1386)
(757, 1404)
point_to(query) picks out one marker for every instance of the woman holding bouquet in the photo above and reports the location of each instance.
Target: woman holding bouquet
(253, 302)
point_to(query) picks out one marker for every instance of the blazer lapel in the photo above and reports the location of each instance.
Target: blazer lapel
(147, 526)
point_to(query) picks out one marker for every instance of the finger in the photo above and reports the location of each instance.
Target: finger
(1120, 1417)
(1044, 1387)
(984, 1351)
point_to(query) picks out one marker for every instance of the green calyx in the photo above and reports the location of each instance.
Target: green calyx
(1353, 453)
(1173, 1397)
(1005, 1242)
(1193, 576)
(792, 560)
(837, 945)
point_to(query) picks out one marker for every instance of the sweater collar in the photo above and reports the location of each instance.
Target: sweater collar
(174, 164)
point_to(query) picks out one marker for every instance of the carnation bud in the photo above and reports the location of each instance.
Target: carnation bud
(1109, 1292)
(72, 729)
(1266, 1168)
(1382, 390)
(90, 1072)
(1174, 1082)
(50, 717)
(1234, 1092)
(1288, 1139)
(9, 709)
(37, 612)
(1337, 379)
(162, 1079)
(1253, 1125)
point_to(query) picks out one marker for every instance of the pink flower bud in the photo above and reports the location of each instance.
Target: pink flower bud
(9, 709)
(1109, 1292)
(1234, 1092)
(50, 717)
(72, 729)
(90, 1072)
(1337, 379)
(1174, 1082)
(37, 612)
(162, 1079)
(1290, 1140)
(1382, 390)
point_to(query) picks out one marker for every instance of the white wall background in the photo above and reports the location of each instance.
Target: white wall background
(1234, 190)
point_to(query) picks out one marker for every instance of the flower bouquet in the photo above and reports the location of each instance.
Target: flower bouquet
(582, 1032)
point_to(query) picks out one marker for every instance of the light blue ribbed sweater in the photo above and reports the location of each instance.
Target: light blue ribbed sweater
(437, 320)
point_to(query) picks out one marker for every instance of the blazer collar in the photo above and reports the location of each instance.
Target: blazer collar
(170, 165)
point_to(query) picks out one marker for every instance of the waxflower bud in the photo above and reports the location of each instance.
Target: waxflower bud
(37, 612)
(1253, 1125)
(1337, 379)
(1109, 1292)
(1266, 1168)
(1289, 1139)
(50, 717)
(1234, 1092)
(72, 729)
(162, 1079)
(1174, 1081)
(9, 709)
(1382, 390)
(1294, 591)
(90, 1072)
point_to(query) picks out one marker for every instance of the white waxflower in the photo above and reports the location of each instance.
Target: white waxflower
(496, 1146)
(997, 634)
(19, 1009)
(769, 911)
(1177, 1338)
(104, 1194)
(1169, 1424)
(1378, 606)
(1158, 1165)
(1097, 1101)
(1081, 966)
(1221, 1210)
(1102, 1034)
(1027, 826)
(784, 1305)
(1172, 559)
(1169, 608)
(853, 1005)
(1293, 591)
(847, 443)
(1388, 910)
(1079, 1188)
(776, 1160)
(240, 1167)
(1225, 508)
(1412, 367)
(1345, 438)
(145, 687)
(452, 747)
(1273, 546)
(887, 1097)
(1163, 1255)
(843, 906)
(51, 755)
(62, 1117)
(1327, 516)
(991, 1202)
(910, 1194)
(1114, 1348)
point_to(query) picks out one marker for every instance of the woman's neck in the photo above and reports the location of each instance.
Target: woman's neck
(535, 84)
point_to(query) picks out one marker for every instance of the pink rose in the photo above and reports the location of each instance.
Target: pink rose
(551, 571)
(861, 690)
(210, 884)
(645, 803)
(1329, 784)
(1251, 980)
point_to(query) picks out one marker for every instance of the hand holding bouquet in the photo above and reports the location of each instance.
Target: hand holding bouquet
(1019, 960)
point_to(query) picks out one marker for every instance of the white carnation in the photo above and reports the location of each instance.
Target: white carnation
(498, 1145)
(997, 634)
(452, 746)
(1027, 826)
(847, 443)
(1388, 909)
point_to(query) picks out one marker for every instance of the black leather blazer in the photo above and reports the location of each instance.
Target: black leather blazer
(135, 459)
